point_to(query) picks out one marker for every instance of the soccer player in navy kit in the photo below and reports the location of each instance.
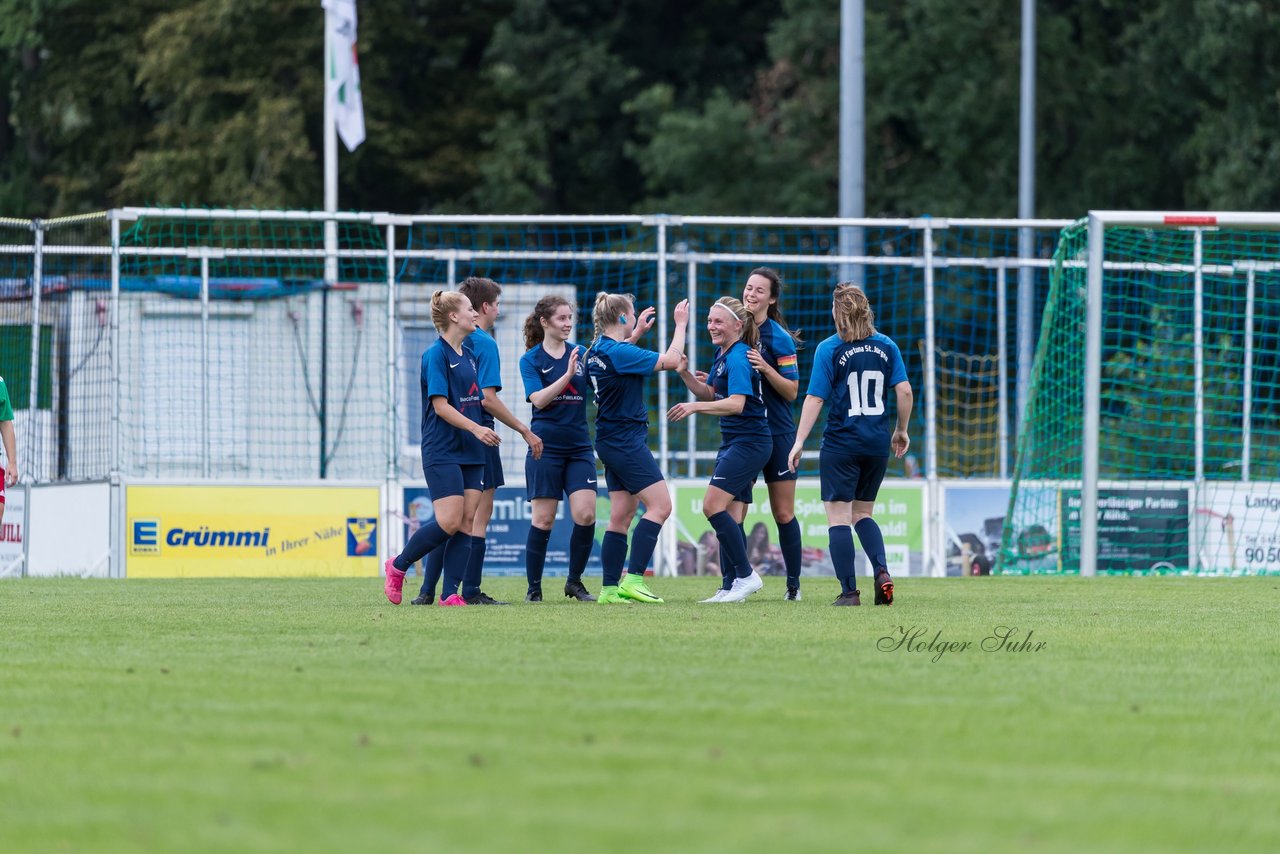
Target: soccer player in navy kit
(485, 296)
(555, 382)
(852, 371)
(617, 369)
(732, 392)
(454, 442)
(775, 359)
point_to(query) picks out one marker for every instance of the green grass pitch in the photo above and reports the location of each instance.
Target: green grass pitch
(311, 715)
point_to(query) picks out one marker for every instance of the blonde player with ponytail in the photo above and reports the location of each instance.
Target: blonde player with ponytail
(732, 392)
(617, 369)
(454, 443)
(853, 370)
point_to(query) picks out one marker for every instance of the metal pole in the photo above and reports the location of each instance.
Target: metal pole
(117, 499)
(330, 160)
(1246, 417)
(1002, 336)
(692, 350)
(1026, 204)
(1198, 335)
(451, 272)
(1092, 401)
(330, 225)
(33, 392)
(664, 449)
(930, 360)
(393, 425)
(852, 131)
(930, 382)
(324, 377)
(390, 537)
(204, 363)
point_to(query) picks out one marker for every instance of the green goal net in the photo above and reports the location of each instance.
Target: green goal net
(1188, 406)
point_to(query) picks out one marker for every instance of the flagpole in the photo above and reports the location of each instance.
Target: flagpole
(330, 159)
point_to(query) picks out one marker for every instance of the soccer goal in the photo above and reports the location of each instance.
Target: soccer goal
(1151, 438)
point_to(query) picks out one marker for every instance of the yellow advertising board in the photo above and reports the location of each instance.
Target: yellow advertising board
(251, 531)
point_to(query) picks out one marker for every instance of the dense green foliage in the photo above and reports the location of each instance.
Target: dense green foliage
(721, 106)
(308, 715)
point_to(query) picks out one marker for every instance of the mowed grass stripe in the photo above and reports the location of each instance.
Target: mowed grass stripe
(257, 715)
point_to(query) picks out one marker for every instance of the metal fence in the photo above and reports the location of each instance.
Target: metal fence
(220, 344)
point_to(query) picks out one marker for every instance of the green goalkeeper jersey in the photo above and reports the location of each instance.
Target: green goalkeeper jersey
(6, 408)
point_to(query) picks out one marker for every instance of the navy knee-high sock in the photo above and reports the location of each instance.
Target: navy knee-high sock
(789, 540)
(731, 564)
(475, 568)
(732, 542)
(581, 541)
(426, 538)
(728, 569)
(842, 554)
(643, 541)
(873, 544)
(535, 556)
(456, 553)
(613, 554)
(432, 566)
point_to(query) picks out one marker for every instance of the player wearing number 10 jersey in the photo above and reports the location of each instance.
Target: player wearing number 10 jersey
(852, 372)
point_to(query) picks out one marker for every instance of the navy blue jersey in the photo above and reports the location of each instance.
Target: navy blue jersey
(452, 375)
(488, 364)
(779, 350)
(618, 370)
(853, 377)
(731, 373)
(562, 425)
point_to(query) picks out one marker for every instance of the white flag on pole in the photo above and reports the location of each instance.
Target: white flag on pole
(344, 71)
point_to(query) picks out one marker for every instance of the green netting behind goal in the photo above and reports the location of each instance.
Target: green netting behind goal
(1168, 502)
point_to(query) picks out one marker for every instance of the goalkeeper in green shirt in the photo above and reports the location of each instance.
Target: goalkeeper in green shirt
(10, 440)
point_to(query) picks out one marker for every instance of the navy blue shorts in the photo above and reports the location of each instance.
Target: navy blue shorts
(559, 474)
(738, 464)
(778, 468)
(629, 466)
(492, 468)
(448, 479)
(850, 477)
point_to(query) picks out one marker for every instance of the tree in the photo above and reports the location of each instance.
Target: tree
(72, 114)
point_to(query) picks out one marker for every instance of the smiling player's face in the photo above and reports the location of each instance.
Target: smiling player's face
(560, 325)
(755, 294)
(465, 319)
(722, 326)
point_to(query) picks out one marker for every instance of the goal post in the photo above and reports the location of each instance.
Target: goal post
(1153, 419)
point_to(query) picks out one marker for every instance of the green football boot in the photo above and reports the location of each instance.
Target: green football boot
(634, 588)
(611, 596)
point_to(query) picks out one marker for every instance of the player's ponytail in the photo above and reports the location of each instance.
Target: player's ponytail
(750, 332)
(445, 303)
(775, 308)
(854, 318)
(544, 310)
(608, 308)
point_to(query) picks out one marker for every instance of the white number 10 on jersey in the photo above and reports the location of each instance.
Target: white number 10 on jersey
(866, 393)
